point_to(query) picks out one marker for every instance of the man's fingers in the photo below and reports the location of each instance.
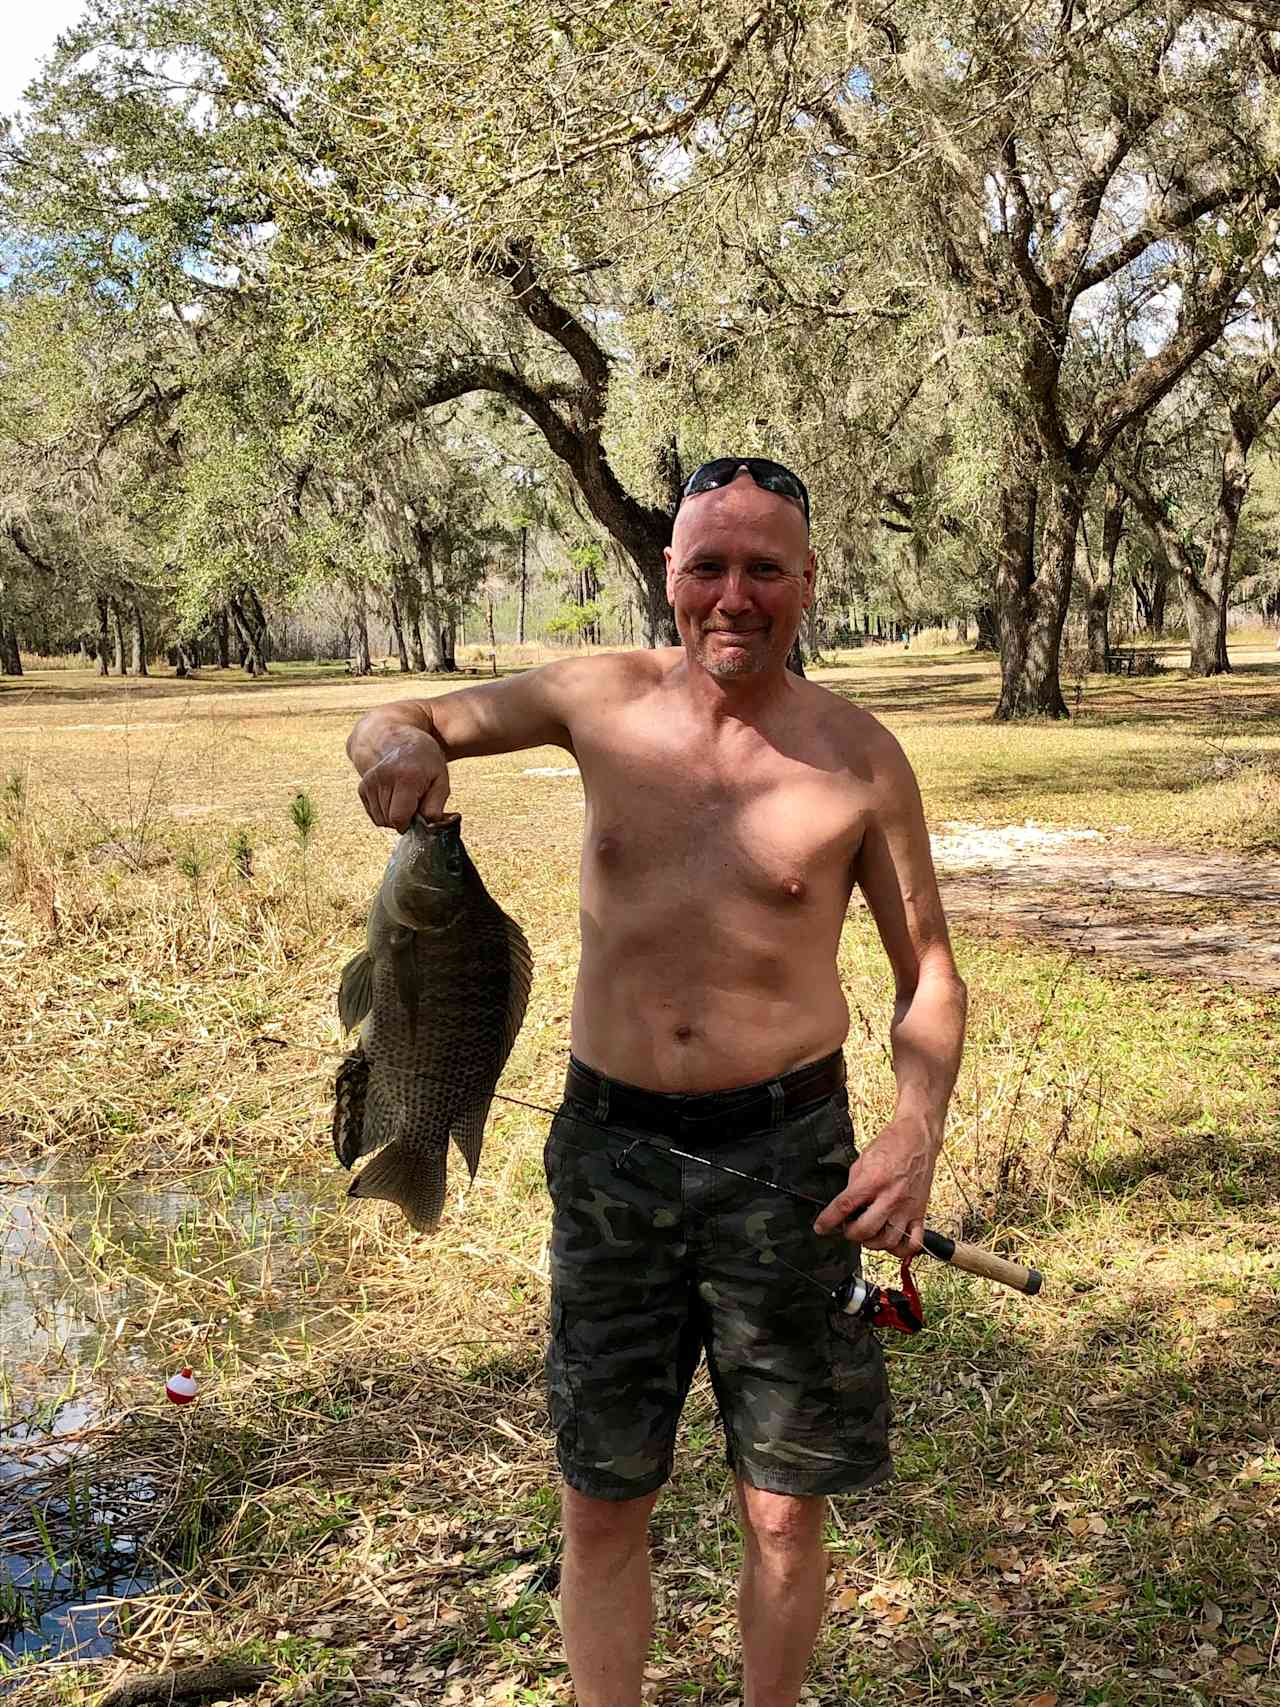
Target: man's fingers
(436, 798)
(403, 803)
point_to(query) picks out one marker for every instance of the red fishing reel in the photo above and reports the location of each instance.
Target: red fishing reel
(882, 1306)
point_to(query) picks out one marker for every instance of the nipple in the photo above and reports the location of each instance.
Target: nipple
(794, 888)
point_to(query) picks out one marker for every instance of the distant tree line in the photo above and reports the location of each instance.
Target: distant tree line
(421, 309)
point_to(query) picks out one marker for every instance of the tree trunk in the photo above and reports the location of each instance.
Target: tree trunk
(186, 660)
(795, 658)
(362, 663)
(432, 615)
(1102, 579)
(397, 630)
(263, 633)
(10, 653)
(493, 639)
(409, 589)
(988, 626)
(524, 585)
(1202, 625)
(448, 658)
(117, 626)
(139, 641)
(1159, 597)
(245, 616)
(1031, 597)
(223, 639)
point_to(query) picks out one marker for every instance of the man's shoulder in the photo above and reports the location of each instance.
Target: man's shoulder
(609, 672)
(859, 733)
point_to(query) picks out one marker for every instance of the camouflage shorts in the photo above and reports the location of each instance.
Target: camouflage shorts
(654, 1259)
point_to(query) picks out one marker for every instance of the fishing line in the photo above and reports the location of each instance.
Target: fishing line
(589, 1120)
(970, 1259)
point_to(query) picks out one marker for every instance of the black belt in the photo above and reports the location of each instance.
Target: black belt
(713, 1117)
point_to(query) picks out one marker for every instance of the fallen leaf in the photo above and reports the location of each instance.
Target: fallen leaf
(1247, 1655)
(1048, 1699)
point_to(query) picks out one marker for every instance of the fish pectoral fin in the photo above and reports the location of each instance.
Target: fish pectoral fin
(468, 1133)
(411, 1178)
(350, 1094)
(404, 964)
(355, 990)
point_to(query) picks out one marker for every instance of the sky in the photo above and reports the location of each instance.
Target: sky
(26, 34)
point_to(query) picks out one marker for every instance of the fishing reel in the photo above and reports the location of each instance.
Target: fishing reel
(881, 1306)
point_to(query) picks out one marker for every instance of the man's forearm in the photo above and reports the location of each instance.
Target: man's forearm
(927, 1038)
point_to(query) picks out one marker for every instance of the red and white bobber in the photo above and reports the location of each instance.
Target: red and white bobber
(180, 1389)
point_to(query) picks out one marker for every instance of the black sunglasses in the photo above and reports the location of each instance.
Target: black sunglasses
(771, 476)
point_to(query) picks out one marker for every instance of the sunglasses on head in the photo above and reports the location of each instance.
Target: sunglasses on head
(770, 476)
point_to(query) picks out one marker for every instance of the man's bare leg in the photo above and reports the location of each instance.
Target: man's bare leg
(606, 1606)
(780, 1598)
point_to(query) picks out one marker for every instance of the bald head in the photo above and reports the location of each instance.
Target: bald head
(740, 504)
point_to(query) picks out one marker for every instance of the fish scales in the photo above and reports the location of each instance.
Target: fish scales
(439, 994)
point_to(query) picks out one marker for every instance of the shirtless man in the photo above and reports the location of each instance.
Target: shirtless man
(731, 807)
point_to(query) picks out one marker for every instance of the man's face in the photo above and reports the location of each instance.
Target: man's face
(739, 577)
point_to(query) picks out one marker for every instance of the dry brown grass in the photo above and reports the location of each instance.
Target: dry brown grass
(365, 1487)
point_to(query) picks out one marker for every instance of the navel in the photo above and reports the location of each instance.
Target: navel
(683, 1033)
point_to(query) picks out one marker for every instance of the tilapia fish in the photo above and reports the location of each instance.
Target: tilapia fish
(439, 995)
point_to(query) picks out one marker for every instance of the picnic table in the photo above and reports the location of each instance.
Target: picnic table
(1131, 661)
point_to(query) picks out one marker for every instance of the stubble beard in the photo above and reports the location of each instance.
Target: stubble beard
(748, 662)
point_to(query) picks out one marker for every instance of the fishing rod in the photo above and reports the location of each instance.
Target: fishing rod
(897, 1307)
(889, 1307)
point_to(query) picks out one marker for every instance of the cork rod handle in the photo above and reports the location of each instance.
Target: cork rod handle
(974, 1260)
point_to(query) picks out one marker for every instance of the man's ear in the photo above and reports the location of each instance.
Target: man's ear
(669, 561)
(810, 574)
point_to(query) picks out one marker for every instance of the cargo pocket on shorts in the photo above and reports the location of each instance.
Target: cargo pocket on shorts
(861, 1385)
(562, 1403)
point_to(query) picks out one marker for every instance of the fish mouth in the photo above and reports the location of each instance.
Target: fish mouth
(433, 826)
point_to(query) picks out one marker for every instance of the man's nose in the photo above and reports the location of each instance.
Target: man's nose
(735, 592)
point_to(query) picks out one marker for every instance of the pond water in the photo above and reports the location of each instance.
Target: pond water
(85, 1332)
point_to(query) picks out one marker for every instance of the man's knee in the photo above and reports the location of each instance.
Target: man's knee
(608, 1529)
(781, 1526)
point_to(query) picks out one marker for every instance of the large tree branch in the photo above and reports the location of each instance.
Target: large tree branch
(1157, 524)
(1144, 389)
(559, 323)
(1154, 231)
(1077, 234)
(25, 549)
(627, 134)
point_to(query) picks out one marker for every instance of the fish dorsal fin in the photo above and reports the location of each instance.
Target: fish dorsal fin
(355, 990)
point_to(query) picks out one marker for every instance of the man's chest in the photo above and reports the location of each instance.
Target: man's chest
(745, 818)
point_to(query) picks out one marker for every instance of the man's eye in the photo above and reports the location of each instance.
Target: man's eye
(767, 569)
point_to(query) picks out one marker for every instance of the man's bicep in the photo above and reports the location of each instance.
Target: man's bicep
(895, 873)
(528, 710)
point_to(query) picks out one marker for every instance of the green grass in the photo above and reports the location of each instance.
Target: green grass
(365, 1496)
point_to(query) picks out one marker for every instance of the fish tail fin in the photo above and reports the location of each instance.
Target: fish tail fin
(407, 1177)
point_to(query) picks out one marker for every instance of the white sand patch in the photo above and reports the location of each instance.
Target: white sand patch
(981, 844)
(551, 770)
